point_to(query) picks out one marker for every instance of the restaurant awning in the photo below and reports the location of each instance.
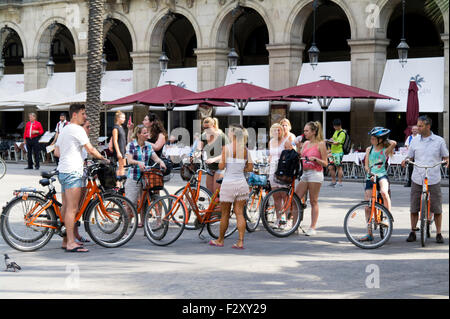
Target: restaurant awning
(182, 77)
(58, 86)
(115, 84)
(253, 74)
(429, 76)
(339, 72)
(10, 85)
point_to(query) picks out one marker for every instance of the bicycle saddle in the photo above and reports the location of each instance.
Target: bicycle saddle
(46, 174)
(46, 181)
(219, 181)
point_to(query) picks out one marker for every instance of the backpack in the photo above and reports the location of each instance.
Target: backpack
(288, 167)
(347, 145)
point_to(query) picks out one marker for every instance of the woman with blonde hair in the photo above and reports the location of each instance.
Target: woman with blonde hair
(234, 189)
(316, 151)
(211, 142)
(138, 152)
(279, 142)
(286, 124)
(119, 139)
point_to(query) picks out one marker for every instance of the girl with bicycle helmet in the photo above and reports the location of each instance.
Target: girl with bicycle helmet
(375, 162)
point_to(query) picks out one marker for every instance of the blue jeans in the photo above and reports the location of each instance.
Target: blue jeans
(70, 180)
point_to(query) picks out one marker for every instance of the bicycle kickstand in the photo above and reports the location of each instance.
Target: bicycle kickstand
(200, 233)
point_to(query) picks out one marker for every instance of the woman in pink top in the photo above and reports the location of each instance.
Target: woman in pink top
(316, 152)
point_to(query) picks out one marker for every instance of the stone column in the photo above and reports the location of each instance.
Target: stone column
(368, 59)
(35, 73)
(212, 65)
(80, 72)
(285, 62)
(146, 70)
(146, 75)
(444, 38)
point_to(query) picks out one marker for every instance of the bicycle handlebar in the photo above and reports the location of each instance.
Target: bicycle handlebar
(421, 166)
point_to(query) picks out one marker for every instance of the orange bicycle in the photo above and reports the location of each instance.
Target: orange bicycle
(425, 218)
(260, 187)
(166, 218)
(31, 218)
(364, 219)
(282, 210)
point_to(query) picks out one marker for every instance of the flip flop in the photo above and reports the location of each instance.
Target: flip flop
(77, 250)
(235, 246)
(213, 243)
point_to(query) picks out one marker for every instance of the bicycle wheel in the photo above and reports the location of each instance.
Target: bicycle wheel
(213, 224)
(203, 201)
(368, 235)
(162, 224)
(2, 168)
(13, 225)
(423, 219)
(280, 215)
(114, 226)
(251, 210)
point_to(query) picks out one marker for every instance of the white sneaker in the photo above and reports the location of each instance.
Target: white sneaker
(311, 232)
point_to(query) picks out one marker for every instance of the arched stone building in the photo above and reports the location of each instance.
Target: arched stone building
(198, 33)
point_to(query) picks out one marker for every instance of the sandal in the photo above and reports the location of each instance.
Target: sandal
(79, 249)
(213, 243)
(235, 246)
(366, 238)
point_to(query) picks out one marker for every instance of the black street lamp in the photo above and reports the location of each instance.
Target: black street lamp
(2, 67)
(163, 62)
(403, 47)
(50, 65)
(313, 51)
(104, 64)
(233, 57)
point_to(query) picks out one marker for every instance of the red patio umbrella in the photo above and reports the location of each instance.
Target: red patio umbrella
(325, 91)
(238, 93)
(412, 107)
(164, 95)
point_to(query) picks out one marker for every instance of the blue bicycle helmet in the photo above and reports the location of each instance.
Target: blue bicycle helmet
(379, 131)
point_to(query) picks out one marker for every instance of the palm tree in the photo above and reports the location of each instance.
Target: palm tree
(434, 9)
(94, 67)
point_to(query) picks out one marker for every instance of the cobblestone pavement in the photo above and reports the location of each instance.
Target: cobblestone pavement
(324, 266)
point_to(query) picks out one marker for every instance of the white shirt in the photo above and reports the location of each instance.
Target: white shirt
(427, 151)
(60, 125)
(71, 142)
(410, 139)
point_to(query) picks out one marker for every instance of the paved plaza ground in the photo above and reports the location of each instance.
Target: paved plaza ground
(324, 266)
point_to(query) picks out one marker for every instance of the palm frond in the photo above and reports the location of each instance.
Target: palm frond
(434, 10)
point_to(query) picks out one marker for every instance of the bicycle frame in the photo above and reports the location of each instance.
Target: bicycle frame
(93, 193)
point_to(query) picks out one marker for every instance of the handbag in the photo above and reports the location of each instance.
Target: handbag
(257, 180)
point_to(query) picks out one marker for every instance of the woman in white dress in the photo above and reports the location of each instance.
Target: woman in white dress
(277, 144)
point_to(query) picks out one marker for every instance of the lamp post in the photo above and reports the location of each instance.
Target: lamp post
(403, 47)
(50, 65)
(313, 51)
(163, 59)
(233, 57)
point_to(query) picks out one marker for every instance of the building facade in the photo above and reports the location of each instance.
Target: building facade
(200, 33)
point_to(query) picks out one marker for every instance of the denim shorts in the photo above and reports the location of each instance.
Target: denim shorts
(71, 180)
(369, 183)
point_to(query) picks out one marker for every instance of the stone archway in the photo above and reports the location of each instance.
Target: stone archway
(12, 50)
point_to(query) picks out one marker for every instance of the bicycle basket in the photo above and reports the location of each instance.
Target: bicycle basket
(187, 170)
(106, 174)
(152, 180)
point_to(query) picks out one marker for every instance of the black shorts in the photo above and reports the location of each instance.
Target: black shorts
(369, 183)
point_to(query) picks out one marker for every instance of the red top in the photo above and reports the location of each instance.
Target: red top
(309, 151)
(31, 126)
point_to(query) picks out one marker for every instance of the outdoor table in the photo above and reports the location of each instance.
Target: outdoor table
(395, 167)
(352, 164)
